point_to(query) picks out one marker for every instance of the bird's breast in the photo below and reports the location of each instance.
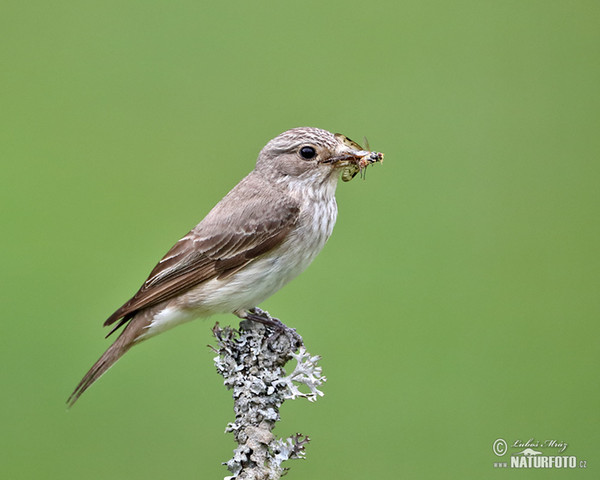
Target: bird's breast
(266, 274)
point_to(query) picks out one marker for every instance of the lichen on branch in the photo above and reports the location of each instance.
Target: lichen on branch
(251, 362)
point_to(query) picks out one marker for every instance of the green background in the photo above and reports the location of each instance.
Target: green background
(456, 302)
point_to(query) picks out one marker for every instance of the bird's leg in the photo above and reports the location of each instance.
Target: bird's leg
(262, 316)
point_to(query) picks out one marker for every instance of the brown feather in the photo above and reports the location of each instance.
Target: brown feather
(121, 345)
(217, 247)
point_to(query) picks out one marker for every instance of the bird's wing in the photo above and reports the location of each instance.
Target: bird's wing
(239, 229)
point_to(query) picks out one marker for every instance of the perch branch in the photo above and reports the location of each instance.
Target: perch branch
(251, 362)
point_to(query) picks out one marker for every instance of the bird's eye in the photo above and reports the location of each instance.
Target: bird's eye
(308, 152)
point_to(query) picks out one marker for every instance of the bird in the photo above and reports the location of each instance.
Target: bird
(261, 235)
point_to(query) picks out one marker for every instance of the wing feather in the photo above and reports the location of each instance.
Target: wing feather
(233, 234)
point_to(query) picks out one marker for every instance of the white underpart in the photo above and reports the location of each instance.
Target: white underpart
(264, 275)
(165, 319)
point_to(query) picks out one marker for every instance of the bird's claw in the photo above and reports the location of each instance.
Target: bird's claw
(277, 326)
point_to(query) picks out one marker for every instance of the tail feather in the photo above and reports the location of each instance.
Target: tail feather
(121, 345)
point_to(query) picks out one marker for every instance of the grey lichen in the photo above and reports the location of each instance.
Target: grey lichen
(251, 362)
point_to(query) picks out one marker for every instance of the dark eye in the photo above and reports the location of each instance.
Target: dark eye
(308, 152)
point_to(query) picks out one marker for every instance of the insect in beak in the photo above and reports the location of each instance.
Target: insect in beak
(355, 160)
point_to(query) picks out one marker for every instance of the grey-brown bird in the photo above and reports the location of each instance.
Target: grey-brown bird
(262, 234)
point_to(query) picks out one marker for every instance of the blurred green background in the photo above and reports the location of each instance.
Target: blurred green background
(456, 303)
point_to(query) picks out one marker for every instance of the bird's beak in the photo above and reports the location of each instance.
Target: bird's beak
(344, 159)
(359, 158)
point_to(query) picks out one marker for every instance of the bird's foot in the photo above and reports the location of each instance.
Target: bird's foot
(278, 328)
(262, 316)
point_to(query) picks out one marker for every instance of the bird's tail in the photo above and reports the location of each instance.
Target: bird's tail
(121, 345)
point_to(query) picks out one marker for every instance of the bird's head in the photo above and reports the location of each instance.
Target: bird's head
(312, 155)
